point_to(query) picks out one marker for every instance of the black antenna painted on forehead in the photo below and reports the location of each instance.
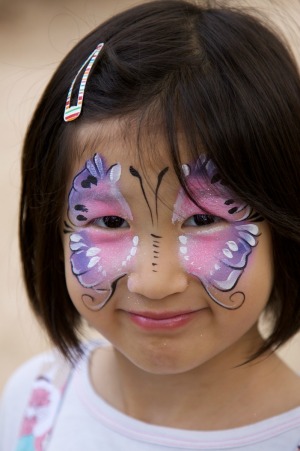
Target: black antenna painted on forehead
(135, 173)
(159, 180)
(160, 176)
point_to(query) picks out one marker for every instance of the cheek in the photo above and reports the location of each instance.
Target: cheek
(218, 259)
(204, 254)
(99, 260)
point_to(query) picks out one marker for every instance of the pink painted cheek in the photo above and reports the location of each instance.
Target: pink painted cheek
(218, 259)
(200, 254)
(99, 258)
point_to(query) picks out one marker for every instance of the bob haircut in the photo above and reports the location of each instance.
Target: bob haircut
(232, 87)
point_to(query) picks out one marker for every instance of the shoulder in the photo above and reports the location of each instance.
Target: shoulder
(17, 392)
(23, 377)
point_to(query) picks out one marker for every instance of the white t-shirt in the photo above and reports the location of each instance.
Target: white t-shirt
(85, 422)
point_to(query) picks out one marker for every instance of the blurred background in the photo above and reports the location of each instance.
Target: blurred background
(34, 36)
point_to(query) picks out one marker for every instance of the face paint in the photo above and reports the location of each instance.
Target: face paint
(218, 239)
(103, 247)
(155, 238)
(220, 235)
(160, 177)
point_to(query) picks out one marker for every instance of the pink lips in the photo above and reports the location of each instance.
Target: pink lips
(167, 320)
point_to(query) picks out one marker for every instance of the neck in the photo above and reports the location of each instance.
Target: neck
(195, 399)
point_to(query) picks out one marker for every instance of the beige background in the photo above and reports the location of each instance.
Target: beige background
(34, 36)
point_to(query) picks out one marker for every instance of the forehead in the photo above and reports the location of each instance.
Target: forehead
(119, 142)
(146, 150)
(125, 141)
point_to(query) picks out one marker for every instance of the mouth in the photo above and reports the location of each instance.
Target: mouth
(162, 320)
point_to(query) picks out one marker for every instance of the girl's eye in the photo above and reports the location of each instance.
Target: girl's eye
(201, 220)
(111, 222)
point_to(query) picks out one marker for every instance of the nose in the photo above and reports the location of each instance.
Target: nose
(158, 272)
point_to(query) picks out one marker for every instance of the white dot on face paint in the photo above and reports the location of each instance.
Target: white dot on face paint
(75, 238)
(93, 261)
(252, 228)
(128, 258)
(92, 251)
(123, 263)
(133, 251)
(183, 249)
(77, 246)
(186, 257)
(232, 245)
(217, 267)
(135, 240)
(183, 239)
(227, 253)
(247, 237)
(185, 170)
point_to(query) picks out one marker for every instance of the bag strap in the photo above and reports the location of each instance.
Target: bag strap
(43, 405)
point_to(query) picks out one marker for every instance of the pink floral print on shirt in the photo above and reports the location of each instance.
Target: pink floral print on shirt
(39, 416)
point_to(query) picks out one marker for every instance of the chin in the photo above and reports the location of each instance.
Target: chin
(161, 359)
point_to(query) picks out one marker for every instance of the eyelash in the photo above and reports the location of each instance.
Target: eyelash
(202, 220)
(116, 222)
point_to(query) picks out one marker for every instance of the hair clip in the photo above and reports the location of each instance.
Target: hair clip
(72, 112)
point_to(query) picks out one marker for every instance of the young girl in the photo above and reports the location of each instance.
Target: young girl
(160, 203)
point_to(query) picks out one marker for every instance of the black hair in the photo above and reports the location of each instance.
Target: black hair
(231, 85)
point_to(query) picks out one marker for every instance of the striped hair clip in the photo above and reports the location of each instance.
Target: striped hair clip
(72, 112)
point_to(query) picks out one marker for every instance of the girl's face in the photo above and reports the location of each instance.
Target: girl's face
(170, 283)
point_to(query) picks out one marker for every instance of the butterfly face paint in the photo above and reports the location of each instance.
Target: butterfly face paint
(215, 241)
(102, 245)
(220, 237)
